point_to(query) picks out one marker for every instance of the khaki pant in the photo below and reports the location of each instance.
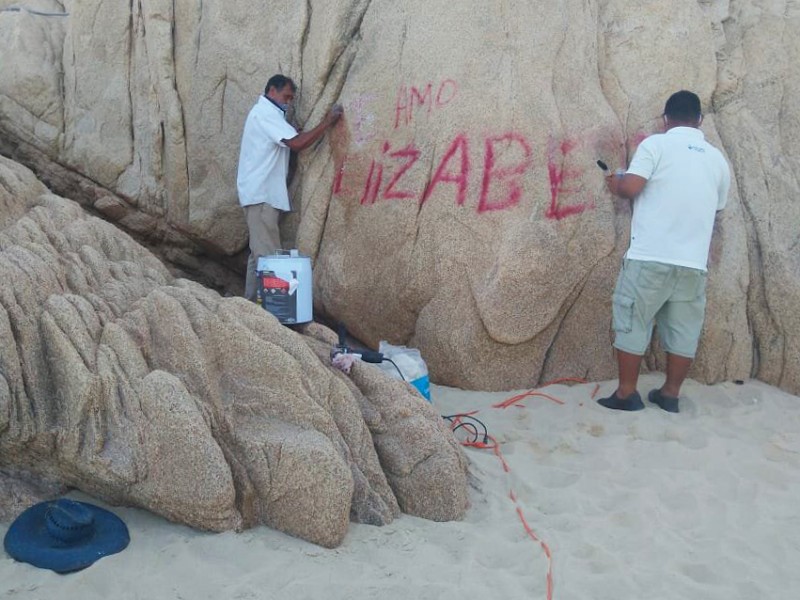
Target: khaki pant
(674, 297)
(265, 239)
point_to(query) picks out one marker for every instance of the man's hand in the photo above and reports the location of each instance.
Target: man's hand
(612, 183)
(305, 139)
(335, 114)
(625, 185)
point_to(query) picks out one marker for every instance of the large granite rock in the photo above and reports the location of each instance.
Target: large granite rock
(456, 207)
(142, 389)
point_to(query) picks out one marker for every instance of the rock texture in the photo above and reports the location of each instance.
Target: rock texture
(21, 490)
(457, 207)
(139, 388)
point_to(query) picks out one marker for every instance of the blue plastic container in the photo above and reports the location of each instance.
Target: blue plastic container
(423, 385)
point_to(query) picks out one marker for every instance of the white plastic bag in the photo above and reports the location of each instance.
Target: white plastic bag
(409, 362)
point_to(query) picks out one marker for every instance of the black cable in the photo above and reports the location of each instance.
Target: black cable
(395, 366)
(466, 424)
(471, 427)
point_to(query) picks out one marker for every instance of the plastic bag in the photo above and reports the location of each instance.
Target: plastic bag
(409, 362)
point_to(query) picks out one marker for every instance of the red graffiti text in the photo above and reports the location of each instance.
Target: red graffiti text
(506, 158)
(428, 97)
(559, 175)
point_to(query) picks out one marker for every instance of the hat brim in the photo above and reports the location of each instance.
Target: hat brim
(27, 540)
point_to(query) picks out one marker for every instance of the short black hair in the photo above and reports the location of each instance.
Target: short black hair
(279, 82)
(683, 107)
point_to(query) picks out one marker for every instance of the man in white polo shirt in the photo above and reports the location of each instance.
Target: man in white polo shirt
(264, 167)
(677, 182)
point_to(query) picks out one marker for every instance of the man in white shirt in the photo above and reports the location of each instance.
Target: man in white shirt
(267, 141)
(677, 182)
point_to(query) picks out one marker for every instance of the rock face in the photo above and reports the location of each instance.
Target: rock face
(457, 207)
(139, 388)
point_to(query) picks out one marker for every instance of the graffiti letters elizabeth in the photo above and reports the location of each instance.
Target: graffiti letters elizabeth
(496, 164)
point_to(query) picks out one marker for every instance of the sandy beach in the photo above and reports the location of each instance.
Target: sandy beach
(700, 505)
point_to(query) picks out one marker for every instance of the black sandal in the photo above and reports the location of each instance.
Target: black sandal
(632, 402)
(667, 403)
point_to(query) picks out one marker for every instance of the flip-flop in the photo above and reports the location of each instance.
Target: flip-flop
(667, 403)
(614, 402)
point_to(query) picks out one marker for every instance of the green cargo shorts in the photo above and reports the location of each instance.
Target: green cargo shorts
(674, 297)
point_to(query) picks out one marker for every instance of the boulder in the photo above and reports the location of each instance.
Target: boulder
(457, 207)
(143, 389)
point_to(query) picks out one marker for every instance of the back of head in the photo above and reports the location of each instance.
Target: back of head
(683, 107)
(279, 82)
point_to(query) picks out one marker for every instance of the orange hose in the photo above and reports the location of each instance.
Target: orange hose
(545, 549)
(494, 446)
(514, 399)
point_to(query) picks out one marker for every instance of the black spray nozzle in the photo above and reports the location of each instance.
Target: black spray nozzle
(371, 356)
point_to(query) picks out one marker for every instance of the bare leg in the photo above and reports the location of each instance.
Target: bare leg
(628, 365)
(626, 397)
(677, 369)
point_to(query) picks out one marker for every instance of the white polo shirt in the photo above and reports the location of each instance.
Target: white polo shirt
(264, 158)
(687, 183)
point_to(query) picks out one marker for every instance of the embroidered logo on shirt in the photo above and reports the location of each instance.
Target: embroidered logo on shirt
(696, 148)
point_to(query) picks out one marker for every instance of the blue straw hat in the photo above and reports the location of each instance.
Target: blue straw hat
(65, 535)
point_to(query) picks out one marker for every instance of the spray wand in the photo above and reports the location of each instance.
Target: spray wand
(343, 357)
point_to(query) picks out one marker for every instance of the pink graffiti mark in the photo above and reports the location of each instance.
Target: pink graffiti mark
(412, 155)
(337, 179)
(361, 118)
(371, 189)
(507, 158)
(511, 174)
(409, 99)
(461, 145)
(558, 175)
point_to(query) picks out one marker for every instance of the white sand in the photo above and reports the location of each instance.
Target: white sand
(701, 505)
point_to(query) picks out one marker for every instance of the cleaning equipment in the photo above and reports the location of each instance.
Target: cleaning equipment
(343, 357)
(342, 349)
(285, 286)
(409, 363)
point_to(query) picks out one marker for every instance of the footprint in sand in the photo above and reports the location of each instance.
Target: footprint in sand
(556, 478)
(551, 504)
(594, 430)
(694, 439)
(597, 559)
(655, 431)
(783, 447)
(619, 500)
(699, 573)
(680, 501)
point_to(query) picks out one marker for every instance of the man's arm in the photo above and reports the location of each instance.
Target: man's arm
(627, 186)
(303, 140)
